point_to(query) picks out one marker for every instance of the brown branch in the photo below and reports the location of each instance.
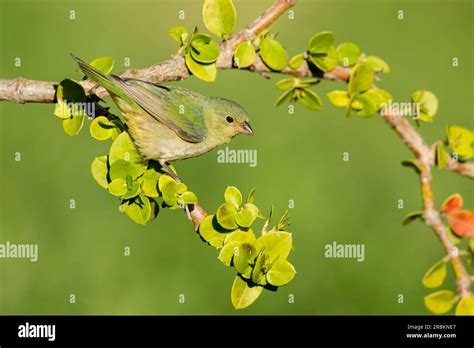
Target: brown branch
(432, 218)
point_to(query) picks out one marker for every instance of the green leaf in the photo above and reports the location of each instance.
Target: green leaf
(72, 126)
(244, 55)
(233, 195)
(377, 64)
(460, 141)
(275, 244)
(70, 91)
(188, 197)
(103, 64)
(321, 42)
(361, 79)
(281, 273)
(212, 232)
(285, 96)
(169, 193)
(243, 294)
(428, 104)
(285, 83)
(119, 169)
(118, 187)
(325, 61)
(133, 188)
(465, 306)
(150, 182)
(435, 276)
(338, 98)
(246, 252)
(273, 54)
(71, 99)
(139, 210)
(219, 16)
(99, 171)
(368, 106)
(98, 131)
(296, 61)
(204, 49)
(177, 33)
(165, 179)
(348, 53)
(241, 237)
(310, 99)
(227, 253)
(380, 97)
(412, 216)
(440, 302)
(123, 148)
(251, 196)
(441, 156)
(205, 72)
(155, 209)
(259, 267)
(244, 218)
(226, 216)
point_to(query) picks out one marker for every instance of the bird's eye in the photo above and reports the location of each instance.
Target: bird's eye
(229, 119)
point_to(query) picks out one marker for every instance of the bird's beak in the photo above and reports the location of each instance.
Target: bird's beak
(245, 128)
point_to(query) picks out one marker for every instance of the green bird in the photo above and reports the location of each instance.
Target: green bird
(171, 123)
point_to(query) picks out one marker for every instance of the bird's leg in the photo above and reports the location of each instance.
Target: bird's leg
(169, 171)
(188, 213)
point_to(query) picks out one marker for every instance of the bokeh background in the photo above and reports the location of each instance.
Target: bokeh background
(81, 250)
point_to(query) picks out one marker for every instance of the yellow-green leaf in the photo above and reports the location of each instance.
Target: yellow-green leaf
(139, 210)
(339, 98)
(465, 306)
(435, 276)
(310, 99)
(219, 16)
(118, 187)
(103, 64)
(99, 170)
(273, 54)
(282, 272)
(72, 126)
(98, 131)
(243, 295)
(440, 302)
(362, 78)
(233, 195)
(205, 72)
(244, 55)
(441, 156)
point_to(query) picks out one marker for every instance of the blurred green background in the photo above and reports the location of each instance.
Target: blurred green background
(81, 250)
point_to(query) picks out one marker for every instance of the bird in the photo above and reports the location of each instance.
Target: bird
(169, 123)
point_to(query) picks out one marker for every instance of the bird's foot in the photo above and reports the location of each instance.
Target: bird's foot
(169, 171)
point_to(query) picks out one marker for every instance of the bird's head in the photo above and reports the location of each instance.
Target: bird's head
(228, 119)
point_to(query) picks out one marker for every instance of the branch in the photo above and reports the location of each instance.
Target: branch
(21, 90)
(432, 218)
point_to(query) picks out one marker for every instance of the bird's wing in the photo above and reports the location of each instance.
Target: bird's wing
(177, 108)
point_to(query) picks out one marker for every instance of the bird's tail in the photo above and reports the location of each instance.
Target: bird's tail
(108, 82)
